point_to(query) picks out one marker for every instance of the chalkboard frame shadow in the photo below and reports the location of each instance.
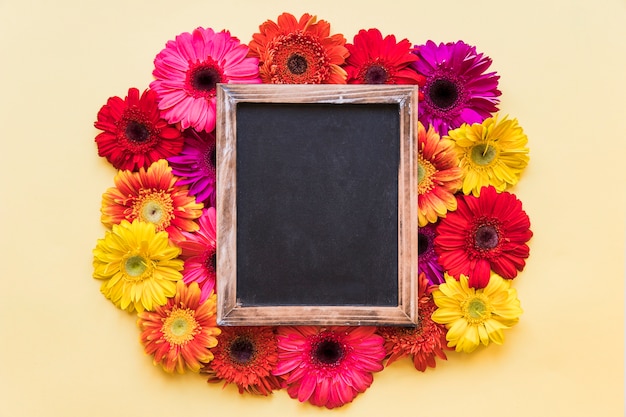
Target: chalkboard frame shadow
(230, 310)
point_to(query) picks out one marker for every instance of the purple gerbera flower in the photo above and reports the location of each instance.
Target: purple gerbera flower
(428, 261)
(457, 90)
(196, 166)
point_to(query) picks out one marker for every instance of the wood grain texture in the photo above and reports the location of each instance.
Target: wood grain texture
(231, 311)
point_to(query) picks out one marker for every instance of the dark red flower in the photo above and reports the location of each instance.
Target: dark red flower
(485, 233)
(134, 134)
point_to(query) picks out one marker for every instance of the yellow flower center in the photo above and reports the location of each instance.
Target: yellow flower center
(483, 154)
(425, 171)
(180, 326)
(477, 309)
(137, 267)
(154, 207)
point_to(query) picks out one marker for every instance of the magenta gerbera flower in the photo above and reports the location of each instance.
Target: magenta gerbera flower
(457, 89)
(428, 262)
(195, 166)
(189, 68)
(198, 252)
(328, 366)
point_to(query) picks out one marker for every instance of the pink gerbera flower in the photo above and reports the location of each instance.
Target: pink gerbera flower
(195, 166)
(189, 68)
(198, 252)
(328, 366)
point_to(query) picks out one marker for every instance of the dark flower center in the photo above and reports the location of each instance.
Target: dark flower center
(328, 352)
(443, 93)
(205, 78)
(486, 237)
(423, 243)
(376, 74)
(297, 64)
(211, 157)
(137, 132)
(211, 262)
(242, 350)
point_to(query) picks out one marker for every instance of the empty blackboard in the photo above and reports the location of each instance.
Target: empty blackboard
(316, 205)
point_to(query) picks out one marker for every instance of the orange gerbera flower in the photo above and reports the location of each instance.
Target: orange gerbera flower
(423, 343)
(151, 196)
(246, 357)
(181, 333)
(438, 176)
(299, 51)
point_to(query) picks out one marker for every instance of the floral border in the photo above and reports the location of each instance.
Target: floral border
(157, 258)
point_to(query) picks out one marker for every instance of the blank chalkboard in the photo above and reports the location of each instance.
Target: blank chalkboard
(315, 193)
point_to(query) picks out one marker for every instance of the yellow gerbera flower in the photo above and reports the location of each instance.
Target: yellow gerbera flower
(138, 266)
(475, 316)
(491, 153)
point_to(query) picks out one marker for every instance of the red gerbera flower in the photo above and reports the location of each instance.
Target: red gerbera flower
(374, 60)
(245, 356)
(134, 134)
(485, 233)
(423, 343)
(328, 366)
(299, 51)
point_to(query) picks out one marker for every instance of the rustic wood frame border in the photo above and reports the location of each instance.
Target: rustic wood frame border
(229, 309)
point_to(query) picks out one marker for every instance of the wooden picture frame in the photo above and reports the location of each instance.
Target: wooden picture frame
(290, 154)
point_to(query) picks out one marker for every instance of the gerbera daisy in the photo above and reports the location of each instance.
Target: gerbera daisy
(245, 356)
(152, 196)
(134, 134)
(457, 89)
(438, 176)
(199, 254)
(328, 366)
(493, 152)
(181, 333)
(484, 233)
(195, 166)
(139, 266)
(475, 316)
(374, 60)
(299, 51)
(189, 68)
(428, 262)
(423, 343)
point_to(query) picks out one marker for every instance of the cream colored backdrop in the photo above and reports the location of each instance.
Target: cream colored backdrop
(66, 351)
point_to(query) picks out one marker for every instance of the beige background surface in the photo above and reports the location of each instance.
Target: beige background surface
(66, 351)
